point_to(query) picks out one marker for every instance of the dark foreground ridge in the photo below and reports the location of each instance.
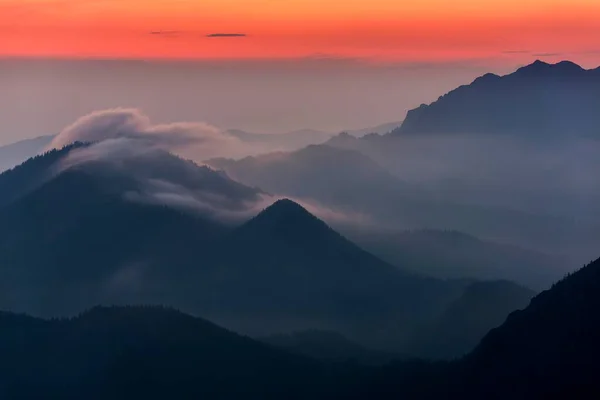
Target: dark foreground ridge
(147, 353)
(548, 350)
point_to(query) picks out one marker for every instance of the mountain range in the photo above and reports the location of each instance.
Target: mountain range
(351, 309)
(540, 100)
(165, 230)
(377, 200)
(454, 255)
(145, 352)
(16, 153)
(547, 350)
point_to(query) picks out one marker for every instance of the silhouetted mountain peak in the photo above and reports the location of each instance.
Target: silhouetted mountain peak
(285, 216)
(536, 65)
(569, 65)
(537, 99)
(286, 206)
(489, 77)
(538, 68)
(288, 224)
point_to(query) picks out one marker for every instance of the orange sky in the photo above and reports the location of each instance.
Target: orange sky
(381, 30)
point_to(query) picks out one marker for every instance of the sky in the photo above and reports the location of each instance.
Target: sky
(268, 66)
(376, 30)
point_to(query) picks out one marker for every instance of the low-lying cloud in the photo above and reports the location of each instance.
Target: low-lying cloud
(124, 142)
(195, 140)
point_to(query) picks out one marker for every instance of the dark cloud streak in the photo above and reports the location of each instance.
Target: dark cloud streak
(165, 32)
(226, 35)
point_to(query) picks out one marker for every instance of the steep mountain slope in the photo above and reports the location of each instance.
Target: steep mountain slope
(148, 227)
(145, 352)
(349, 181)
(538, 100)
(291, 271)
(31, 174)
(103, 232)
(548, 350)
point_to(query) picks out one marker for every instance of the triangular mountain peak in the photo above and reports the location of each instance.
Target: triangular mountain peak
(285, 208)
(285, 216)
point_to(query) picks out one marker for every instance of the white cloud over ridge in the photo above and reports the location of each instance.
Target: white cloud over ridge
(126, 142)
(196, 140)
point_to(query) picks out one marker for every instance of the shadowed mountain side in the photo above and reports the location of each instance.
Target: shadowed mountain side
(146, 352)
(294, 272)
(330, 347)
(81, 239)
(537, 100)
(31, 174)
(72, 236)
(133, 172)
(548, 350)
(70, 244)
(455, 255)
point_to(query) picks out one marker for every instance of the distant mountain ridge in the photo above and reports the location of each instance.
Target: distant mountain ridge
(540, 99)
(547, 350)
(348, 180)
(16, 153)
(151, 228)
(453, 255)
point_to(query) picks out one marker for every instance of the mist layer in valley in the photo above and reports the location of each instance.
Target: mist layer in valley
(383, 238)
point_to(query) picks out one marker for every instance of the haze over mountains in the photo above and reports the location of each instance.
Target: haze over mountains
(352, 181)
(338, 256)
(115, 352)
(16, 153)
(549, 349)
(453, 254)
(521, 143)
(168, 231)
